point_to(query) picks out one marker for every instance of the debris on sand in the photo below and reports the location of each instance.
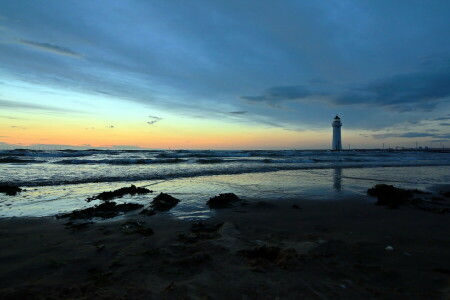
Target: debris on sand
(222, 200)
(131, 190)
(163, 202)
(105, 210)
(10, 190)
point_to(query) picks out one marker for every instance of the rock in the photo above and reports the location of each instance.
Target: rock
(390, 195)
(105, 210)
(10, 190)
(132, 190)
(222, 200)
(389, 248)
(295, 206)
(164, 202)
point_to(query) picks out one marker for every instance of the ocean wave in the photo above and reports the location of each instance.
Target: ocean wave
(127, 161)
(53, 153)
(188, 173)
(202, 154)
(12, 160)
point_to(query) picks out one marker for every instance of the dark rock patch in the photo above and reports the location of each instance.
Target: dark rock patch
(295, 206)
(223, 200)
(105, 210)
(10, 190)
(163, 202)
(109, 195)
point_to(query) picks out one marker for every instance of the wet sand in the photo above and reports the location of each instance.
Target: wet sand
(263, 250)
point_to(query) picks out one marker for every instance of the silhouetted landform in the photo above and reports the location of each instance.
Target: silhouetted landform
(105, 210)
(164, 202)
(10, 190)
(223, 200)
(132, 190)
(393, 197)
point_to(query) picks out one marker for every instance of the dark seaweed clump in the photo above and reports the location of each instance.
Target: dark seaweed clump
(222, 200)
(10, 190)
(105, 210)
(389, 195)
(164, 202)
(131, 190)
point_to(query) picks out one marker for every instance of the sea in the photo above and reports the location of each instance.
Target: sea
(60, 180)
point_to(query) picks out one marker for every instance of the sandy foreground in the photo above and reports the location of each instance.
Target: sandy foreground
(264, 250)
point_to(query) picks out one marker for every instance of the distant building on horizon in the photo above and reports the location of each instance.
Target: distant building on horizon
(336, 144)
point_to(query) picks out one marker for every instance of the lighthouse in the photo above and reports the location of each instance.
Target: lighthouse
(337, 141)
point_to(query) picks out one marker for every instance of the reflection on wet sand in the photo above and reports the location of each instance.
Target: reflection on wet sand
(337, 179)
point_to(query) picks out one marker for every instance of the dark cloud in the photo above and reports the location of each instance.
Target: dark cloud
(153, 120)
(17, 127)
(50, 48)
(444, 124)
(405, 92)
(28, 106)
(442, 118)
(278, 94)
(410, 135)
(110, 126)
(240, 112)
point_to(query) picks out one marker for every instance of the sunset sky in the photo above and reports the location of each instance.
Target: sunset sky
(224, 74)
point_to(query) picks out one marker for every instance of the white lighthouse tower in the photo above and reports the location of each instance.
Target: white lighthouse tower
(337, 141)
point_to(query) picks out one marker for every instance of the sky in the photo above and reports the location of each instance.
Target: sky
(224, 74)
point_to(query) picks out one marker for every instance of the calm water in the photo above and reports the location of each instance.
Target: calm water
(58, 181)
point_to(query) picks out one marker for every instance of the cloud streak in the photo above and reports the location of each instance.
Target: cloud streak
(29, 106)
(49, 48)
(153, 120)
(411, 135)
